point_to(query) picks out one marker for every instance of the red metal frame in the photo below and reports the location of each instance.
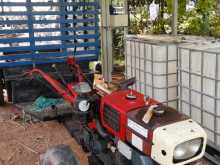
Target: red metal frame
(75, 68)
(67, 92)
(92, 125)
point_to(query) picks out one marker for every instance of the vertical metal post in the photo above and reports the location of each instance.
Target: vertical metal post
(139, 63)
(97, 30)
(2, 6)
(31, 29)
(131, 51)
(190, 83)
(202, 88)
(177, 79)
(135, 63)
(152, 71)
(126, 12)
(63, 25)
(125, 32)
(145, 71)
(106, 38)
(167, 76)
(216, 98)
(180, 82)
(175, 17)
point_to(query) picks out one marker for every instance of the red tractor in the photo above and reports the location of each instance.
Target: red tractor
(123, 127)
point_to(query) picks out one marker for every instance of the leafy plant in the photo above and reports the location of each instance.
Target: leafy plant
(215, 25)
(181, 8)
(192, 23)
(139, 20)
(197, 21)
(202, 20)
(140, 17)
(118, 44)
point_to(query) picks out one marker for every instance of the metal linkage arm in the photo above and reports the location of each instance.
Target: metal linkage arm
(75, 68)
(61, 90)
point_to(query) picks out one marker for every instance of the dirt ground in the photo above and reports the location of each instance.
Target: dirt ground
(22, 144)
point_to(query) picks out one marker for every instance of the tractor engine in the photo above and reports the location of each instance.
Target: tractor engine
(148, 131)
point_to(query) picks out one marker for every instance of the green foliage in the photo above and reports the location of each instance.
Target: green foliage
(139, 3)
(181, 4)
(205, 6)
(140, 17)
(197, 21)
(139, 21)
(192, 23)
(202, 20)
(215, 25)
(118, 44)
(160, 26)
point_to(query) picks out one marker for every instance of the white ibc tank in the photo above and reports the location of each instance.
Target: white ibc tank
(153, 61)
(199, 86)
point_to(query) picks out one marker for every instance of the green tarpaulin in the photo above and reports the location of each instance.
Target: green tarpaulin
(42, 103)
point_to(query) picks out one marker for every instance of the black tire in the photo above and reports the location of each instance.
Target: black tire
(94, 160)
(121, 160)
(60, 154)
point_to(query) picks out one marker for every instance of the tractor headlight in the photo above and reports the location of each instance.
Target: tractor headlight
(84, 105)
(188, 150)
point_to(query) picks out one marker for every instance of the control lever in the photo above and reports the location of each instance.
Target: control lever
(149, 114)
(125, 84)
(154, 110)
(59, 74)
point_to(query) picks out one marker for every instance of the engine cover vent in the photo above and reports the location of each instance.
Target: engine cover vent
(112, 118)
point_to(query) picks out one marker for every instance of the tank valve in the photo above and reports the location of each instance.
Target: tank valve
(159, 110)
(131, 96)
